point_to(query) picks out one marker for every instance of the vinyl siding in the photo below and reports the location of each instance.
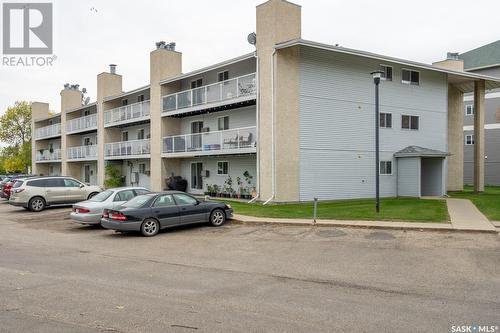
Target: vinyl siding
(409, 177)
(337, 123)
(492, 163)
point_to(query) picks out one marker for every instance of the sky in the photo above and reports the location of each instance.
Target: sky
(90, 34)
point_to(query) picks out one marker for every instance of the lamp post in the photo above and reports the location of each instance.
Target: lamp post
(377, 75)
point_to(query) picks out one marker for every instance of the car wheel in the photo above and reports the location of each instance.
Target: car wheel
(36, 204)
(217, 218)
(93, 194)
(150, 227)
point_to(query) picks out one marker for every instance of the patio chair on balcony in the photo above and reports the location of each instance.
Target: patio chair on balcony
(231, 141)
(246, 142)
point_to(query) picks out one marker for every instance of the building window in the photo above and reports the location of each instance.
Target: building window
(469, 140)
(410, 122)
(386, 72)
(124, 102)
(386, 167)
(469, 110)
(124, 136)
(142, 168)
(410, 77)
(223, 168)
(223, 123)
(223, 76)
(140, 134)
(140, 98)
(385, 120)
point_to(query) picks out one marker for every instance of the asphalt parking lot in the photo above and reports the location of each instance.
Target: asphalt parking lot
(57, 276)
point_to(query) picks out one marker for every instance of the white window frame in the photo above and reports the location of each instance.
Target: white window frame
(228, 127)
(143, 133)
(124, 102)
(471, 136)
(386, 174)
(196, 80)
(128, 136)
(409, 82)
(382, 67)
(471, 106)
(410, 129)
(223, 71)
(392, 120)
(139, 97)
(142, 171)
(222, 174)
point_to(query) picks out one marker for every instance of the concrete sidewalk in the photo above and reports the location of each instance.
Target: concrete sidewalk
(464, 217)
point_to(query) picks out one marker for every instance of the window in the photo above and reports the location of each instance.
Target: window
(469, 110)
(86, 113)
(385, 120)
(469, 140)
(387, 72)
(410, 77)
(223, 168)
(223, 123)
(87, 142)
(124, 195)
(386, 167)
(137, 202)
(410, 122)
(142, 168)
(196, 83)
(140, 134)
(223, 76)
(164, 201)
(124, 136)
(184, 199)
(56, 182)
(140, 98)
(124, 102)
(71, 183)
(36, 183)
(101, 196)
(140, 191)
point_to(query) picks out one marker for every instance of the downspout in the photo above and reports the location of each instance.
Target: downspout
(273, 165)
(257, 111)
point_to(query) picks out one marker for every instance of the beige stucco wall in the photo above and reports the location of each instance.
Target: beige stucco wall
(164, 64)
(107, 85)
(455, 139)
(456, 65)
(479, 114)
(278, 21)
(70, 99)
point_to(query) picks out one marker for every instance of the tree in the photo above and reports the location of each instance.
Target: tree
(15, 124)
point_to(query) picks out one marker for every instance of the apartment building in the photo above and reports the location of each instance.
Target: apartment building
(292, 121)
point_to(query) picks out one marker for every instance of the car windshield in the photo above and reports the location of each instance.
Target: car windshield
(137, 202)
(101, 196)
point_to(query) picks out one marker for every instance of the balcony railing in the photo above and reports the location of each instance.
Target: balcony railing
(127, 148)
(83, 152)
(82, 123)
(46, 155)
(126, 113)
(48, 131)
(243, 86)
(229, 141)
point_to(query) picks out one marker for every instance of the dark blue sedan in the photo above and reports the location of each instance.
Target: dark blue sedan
(152, 212)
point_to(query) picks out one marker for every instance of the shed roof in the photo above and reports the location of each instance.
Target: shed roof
(416, 151)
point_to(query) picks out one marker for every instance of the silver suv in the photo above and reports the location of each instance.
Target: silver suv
(35, 193)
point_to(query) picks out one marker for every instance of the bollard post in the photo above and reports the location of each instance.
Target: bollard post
(315, 213)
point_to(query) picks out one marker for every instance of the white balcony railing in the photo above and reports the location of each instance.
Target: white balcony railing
(212, 142)
(48, 131)
(242, 86)
(83, 152)
(127, 148)
(126, 113)
(46, 155)
(82, 123)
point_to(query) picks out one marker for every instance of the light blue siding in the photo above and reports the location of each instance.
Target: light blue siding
(409, 177)
(337, 123)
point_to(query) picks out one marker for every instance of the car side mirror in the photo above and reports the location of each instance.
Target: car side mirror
(82, 186)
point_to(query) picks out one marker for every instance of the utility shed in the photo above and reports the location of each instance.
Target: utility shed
(421, 172)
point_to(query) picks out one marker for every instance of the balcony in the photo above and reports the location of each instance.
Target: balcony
(233, 141)
(237, 90)
(82, 124)
(83, 153)
(45, 156)
(133, 113)
(48, 131)
(127, 149)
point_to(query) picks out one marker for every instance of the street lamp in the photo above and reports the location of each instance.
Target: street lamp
(377, 75)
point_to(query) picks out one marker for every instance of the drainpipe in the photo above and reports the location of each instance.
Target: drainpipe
(273, 165)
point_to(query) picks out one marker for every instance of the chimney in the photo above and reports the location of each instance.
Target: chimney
(452, 62)
(112, 68)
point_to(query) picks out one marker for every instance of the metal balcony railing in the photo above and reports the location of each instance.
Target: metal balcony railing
(126, 113)
(221, 91)
(215, 142)
(82, 123)
(46, 155)
(127, 148)
(82, 152)
(48, 131)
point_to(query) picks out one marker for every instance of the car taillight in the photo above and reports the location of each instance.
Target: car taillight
(118, 216)
(80, 210)
(18, 190)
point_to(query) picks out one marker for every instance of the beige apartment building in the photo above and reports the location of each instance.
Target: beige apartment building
(292, 121)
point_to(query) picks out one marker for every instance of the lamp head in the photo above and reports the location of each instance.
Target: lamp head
(377, 75)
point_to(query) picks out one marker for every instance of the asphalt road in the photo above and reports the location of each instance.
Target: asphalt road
(56, 276)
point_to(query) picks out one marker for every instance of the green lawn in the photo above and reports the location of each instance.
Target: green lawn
(393, 209)
(487, 202)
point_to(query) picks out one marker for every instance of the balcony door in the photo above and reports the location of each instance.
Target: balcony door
(196, 178)
(196, 137)
(197, 93)
(86, 174)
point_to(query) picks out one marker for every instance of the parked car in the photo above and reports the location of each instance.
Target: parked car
(7, 186)
(90, 211)
(151, 212)
(36, 193)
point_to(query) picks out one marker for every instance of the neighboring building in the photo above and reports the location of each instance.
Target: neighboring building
(292, 121)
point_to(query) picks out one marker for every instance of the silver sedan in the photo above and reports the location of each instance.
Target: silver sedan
(90, 211)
